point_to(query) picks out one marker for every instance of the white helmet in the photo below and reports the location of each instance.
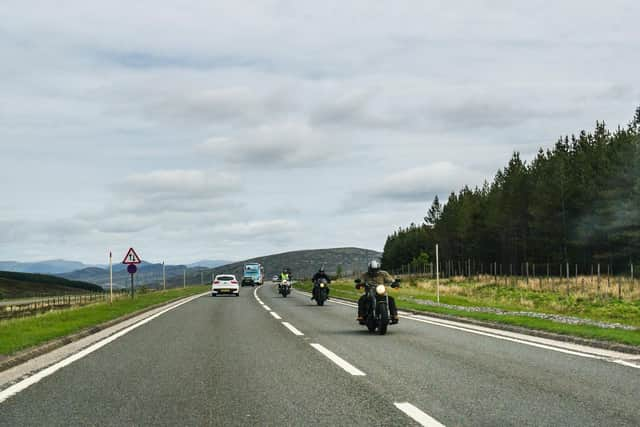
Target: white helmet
(374, 265)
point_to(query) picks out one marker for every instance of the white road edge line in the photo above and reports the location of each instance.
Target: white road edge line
(339, 361)
(447, 324)
(417, 415)
(266, 307)
(275, 315)
(292, 328)
(27, 382)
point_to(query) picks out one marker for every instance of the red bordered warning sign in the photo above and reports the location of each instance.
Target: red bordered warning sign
(131, 257)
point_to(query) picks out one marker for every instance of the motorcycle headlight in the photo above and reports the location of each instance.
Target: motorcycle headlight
(322, 285)
(381, 289)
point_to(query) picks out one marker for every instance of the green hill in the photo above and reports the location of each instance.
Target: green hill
(21, 285)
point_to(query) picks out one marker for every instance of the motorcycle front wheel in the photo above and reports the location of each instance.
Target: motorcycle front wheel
(383, 319)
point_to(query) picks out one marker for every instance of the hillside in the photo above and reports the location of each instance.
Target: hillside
(20, 285)
(148, 274)
(303, 264)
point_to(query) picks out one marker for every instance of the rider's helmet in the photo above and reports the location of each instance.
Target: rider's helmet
(321, 269)
(374, 266)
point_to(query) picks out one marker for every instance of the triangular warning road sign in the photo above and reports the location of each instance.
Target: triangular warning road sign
(131, 257)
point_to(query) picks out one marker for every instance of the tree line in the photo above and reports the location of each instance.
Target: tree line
(578, 202)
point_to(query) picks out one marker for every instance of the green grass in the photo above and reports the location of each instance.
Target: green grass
(612, 311)
(22, 333)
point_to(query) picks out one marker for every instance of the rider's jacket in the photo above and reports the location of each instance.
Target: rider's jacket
(284, 276)
(381, 277)
(319, 276)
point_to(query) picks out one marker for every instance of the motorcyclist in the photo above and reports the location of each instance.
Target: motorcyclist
(284, 275)
(316, 277)
(375, 275)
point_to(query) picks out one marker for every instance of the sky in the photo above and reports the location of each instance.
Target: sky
(227, 130)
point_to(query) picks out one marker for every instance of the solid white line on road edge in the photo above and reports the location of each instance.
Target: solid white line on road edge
(528, 341)
(27, 382)
(266, 307)
(339, 361)
(625, 363)
(417, 415)
(274, 314)
(292, 328)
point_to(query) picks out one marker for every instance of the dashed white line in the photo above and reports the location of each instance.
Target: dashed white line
(275, 315)
(292, 328)
(417, 415)
(18, 387)
(339, 361)
(266, 307)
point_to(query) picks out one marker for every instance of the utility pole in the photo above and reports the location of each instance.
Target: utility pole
(110, 277)
(164, 277)
(437, 274)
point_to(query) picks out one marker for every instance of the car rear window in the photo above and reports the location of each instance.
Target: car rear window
(225, 278)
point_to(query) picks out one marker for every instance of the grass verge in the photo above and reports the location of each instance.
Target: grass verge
(18, 334)
(347, 290)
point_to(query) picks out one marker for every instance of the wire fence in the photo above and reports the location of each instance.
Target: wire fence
(587, 280)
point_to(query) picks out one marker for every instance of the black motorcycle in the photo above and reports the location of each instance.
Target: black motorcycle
(284, 288)
(321, 291)
(377, 317)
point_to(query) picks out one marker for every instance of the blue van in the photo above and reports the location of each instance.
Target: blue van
(253, 274)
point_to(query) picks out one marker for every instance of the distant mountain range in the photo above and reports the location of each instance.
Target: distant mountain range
(302, 263)
(54, 266)
(61, 266)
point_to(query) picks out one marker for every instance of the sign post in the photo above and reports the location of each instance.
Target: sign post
(132, 258)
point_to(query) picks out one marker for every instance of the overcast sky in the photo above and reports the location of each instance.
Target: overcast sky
(235, 129)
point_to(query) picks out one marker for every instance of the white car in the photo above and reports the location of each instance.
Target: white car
(225, 284)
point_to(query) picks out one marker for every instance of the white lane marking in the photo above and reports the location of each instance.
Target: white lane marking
(417, 415)
(27, 382)
(473, 330)
(292, 328)
(339, 361)
(625, 363)
(275, 315)
(266, 307)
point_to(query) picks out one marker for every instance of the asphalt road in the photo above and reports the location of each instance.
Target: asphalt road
(231, 361)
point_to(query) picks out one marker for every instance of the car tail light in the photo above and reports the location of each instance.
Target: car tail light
(235, 282)
(217, 282)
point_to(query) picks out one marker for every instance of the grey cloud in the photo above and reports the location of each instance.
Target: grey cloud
(180, 184)
(289, 144)
(415, 185)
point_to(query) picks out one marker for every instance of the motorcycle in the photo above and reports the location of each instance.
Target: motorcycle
(377, 317)
(321, 291)
(284, 288)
